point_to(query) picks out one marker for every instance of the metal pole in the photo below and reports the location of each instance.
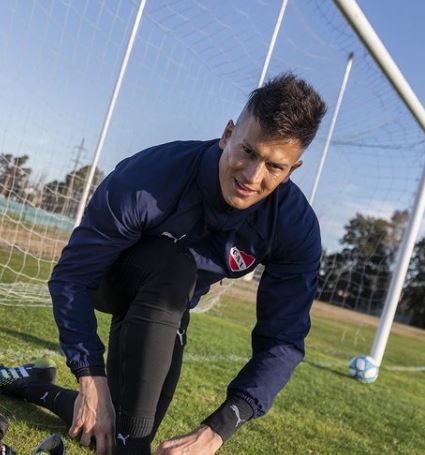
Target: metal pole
(272, 43)
(366, 33)
(249, 276)
(371, 40)
(108, 116)
(332, 126)
(397, 280)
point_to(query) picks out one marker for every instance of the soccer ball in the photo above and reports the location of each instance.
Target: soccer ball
(363, 368)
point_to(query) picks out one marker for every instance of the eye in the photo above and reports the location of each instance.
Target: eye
(247, 150)
(275, 167)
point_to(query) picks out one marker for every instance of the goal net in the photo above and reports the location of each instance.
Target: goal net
(192, 67)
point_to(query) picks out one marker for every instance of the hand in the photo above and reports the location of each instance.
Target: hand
(94, 415)
(202, 441)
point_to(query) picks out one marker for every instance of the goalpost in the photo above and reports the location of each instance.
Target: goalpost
(108, 116)
(192, 65)
(362, 27)
(35, 226)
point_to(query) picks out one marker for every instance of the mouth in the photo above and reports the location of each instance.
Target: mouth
(242, 190)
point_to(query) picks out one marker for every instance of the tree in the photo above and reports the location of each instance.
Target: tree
(413, 298)
(14, 177)
(358, 276)
(367, 244)
(334, 278)
(53, 196)
(64, 197)
(395, 234)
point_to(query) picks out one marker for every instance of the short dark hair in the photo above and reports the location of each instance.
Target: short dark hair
(287, 106)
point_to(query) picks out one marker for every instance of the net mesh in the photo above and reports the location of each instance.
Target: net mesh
(192, 67)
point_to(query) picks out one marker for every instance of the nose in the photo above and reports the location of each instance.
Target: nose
(254, 172)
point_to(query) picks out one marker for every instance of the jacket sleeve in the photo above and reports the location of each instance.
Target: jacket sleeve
(112, 222)
(285, 295)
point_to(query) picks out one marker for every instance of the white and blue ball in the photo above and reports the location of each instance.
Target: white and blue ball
(363, 368)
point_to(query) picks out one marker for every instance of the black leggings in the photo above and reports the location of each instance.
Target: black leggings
(147, 291)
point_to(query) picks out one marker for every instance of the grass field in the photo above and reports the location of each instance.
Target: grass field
(22, 268)
(321, 411)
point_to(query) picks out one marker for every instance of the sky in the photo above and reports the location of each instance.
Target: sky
(192, 68)
(399, 25)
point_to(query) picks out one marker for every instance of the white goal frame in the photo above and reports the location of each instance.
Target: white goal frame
(359, 23)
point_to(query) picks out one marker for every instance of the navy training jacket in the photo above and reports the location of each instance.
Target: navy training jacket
(174, 188)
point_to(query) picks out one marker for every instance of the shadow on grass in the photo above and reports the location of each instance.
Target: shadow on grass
(29, 418)
(30, 414)
(325, 368)
(22, 336)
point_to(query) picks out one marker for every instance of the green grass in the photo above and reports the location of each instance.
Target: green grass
(321, 410)
(11, 219)
(22, 268)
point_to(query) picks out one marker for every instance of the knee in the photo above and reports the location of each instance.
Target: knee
(162, 271)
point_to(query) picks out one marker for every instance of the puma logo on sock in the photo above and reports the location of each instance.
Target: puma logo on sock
(180, 333)
(123, 438)
(235, 409)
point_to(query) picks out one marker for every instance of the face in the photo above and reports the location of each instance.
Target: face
(253, 165)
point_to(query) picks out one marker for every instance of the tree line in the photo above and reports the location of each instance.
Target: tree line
(355, 277)
(57, 196)
(358, 276)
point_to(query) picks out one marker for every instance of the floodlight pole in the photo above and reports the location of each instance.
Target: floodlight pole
(272, 43)
(362, 27)
(109, 113)
(332, 126)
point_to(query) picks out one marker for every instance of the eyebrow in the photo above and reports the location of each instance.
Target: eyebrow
(250, 147)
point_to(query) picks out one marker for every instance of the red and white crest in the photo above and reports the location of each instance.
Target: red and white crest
(239, 260)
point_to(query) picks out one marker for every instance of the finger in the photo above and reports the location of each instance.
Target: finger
(161, 449)
(110, 442)
(75, 428)
(86, 438)
(165, 447)
(101, 446)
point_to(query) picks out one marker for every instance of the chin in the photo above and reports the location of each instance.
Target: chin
(240, 204)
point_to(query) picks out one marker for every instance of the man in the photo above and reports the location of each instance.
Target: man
(159, 230)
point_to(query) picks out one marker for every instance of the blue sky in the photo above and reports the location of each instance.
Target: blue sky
(193, 65)
(400, 26)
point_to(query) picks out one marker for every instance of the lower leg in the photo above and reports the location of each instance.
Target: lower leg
(170, 382)
(56, 399)
(141, 349)
(34, 383)
(173, 375)
(146, 357)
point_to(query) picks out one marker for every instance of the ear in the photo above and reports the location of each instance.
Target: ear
(226, 134)
(293, 167)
